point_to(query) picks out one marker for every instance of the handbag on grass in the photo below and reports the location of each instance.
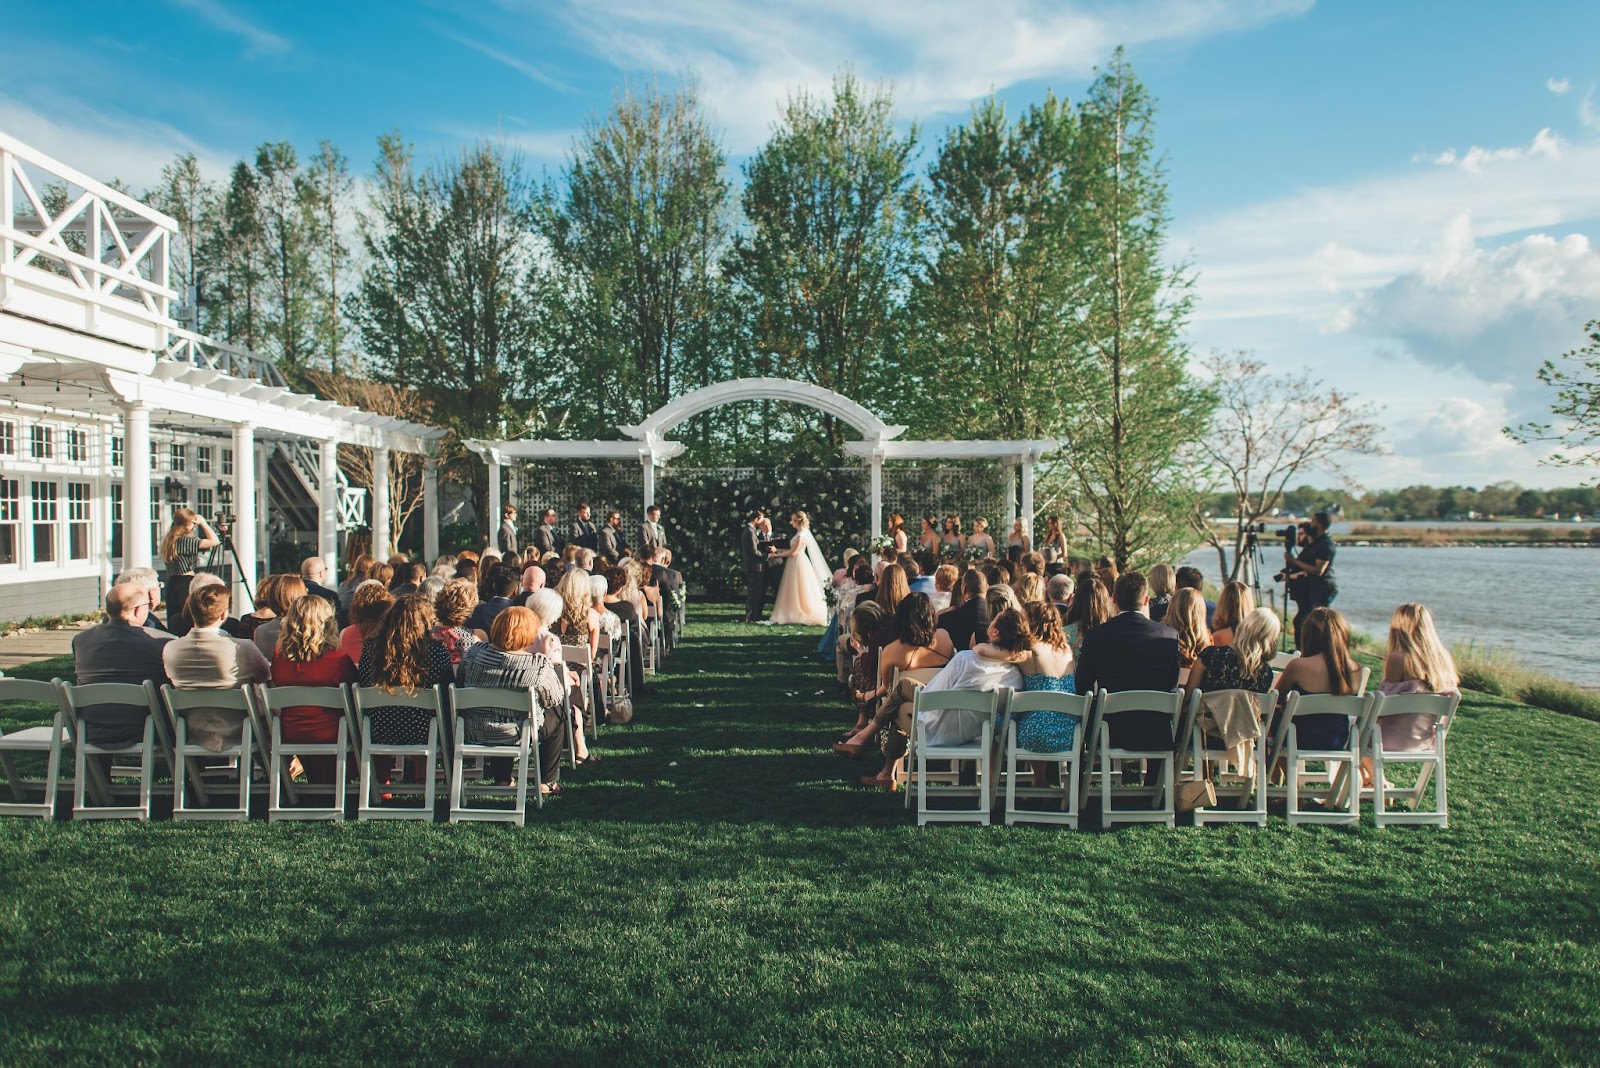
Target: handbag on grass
(620, 710)
(1194, 793)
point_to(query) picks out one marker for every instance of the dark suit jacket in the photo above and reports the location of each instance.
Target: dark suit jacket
(507, 538)
(967, 619)
(332, 597)
(485, 614)
(115, 651)
(750, 552)
(1131, 652)
(583, 533)
(610, 543)
(546, 540)
(665, 579)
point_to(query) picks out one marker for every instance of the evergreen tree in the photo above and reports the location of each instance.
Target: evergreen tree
(239, 241)
(1135, 407)
(286, 231)
(184, 194)
(326, 187)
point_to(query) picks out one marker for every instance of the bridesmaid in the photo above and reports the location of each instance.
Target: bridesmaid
(897, 531)
(1055, 538)
(1018, 539)
(951, 539)
(979, 538)
(928, 540)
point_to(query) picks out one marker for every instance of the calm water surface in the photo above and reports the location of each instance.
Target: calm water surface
(1543, 603)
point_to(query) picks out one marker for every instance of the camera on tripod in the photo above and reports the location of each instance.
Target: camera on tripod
(1289, 534)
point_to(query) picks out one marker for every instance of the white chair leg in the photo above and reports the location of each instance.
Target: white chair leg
(180, 782)
(147, 767)
(431, 768)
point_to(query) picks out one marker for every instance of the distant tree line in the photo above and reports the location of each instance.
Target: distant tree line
(1500, 500)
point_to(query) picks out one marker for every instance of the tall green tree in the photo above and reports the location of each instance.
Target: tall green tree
(639, 232)
(831, 204)
(991, 313)
(1136, 409)
(325, 188)
(448, 304)
(239, 265)
(192, 201)
(286, 238)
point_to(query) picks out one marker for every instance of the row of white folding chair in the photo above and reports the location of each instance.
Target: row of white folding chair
(46, 740)
(1341, 766)
(1430, 761)
(1246, 783)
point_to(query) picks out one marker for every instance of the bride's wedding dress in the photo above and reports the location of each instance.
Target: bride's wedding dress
(800, 591)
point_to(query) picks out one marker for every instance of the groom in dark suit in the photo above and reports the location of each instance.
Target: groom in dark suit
(753, 554)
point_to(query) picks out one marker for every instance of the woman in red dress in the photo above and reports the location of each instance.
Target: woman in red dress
(308, 655)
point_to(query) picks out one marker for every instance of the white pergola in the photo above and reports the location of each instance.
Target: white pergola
(87, 334)
(648, 445)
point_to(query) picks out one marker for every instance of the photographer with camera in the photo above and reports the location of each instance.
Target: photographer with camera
(1310, 574)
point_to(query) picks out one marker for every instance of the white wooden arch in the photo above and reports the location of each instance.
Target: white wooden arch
(878, 440)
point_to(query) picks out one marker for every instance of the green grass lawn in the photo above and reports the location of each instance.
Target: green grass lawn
(718, 890)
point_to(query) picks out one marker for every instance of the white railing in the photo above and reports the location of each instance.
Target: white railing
(185, 346)
(78, 254)
(305, 460)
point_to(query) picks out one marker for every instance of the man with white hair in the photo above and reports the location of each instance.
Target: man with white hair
(121, 649)
(147, 580)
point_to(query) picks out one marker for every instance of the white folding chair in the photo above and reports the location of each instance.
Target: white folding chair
(368, 807)
(651, 638)
(45, 740)
(131, 697)
(179, 704)
(1159, 806)
(984, 704)
(1441, 710)
(1341, 766)
(270, 702)
(580, 658)
(1068, 761)
(483, 699)
(1245, 787)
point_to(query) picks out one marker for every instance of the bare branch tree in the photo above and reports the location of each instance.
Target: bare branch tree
(405, 469)
(1576, 408)
(1269, 429)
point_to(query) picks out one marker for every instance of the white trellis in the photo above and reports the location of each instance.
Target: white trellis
(880, 442)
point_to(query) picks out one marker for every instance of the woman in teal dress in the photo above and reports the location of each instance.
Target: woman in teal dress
(1047, 666)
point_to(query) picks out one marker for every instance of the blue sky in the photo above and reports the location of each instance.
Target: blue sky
(1403, 197)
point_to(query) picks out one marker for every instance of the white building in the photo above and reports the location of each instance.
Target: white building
(111, 415)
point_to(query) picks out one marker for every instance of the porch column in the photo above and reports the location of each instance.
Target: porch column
(263, 503)
(328, 514)
(492, 520)
(430, 510)
(381, 515)
(876, 462)
(1027, 494)
(649, 468)
(102, 512)
(136, 518)
(246, 521)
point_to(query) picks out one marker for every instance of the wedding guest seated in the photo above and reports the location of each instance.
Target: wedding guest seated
(432, 586)
(1416, 661)
(453, 607)
(229, 625)
(409, 578)
(1189, 578)
(619, 600)
(892, 589)
(1162, 579)
(121, 649)
(381, 573)
(945, 577)
(147, 580)
(1131, 651)
(1233, 604)
(610, 622)
(503, 663)
(533, 578)
(546, 605)
(1323, 666)
(971, 616)
(263, 611)
(579, 625)
(207, 659)
(1047, 668)
(279, 596)
(360, 568)
(999, 597)
(308, 655)
(988, 666)
(402, 656)
(917, 645)
(1243, 664)
(488, 567)
(1034, 563)
(1187, 616)
(502, 586)
(468, 569)
(1028, 587)
(369, 604)
(863, 678)
(1058, 591)
(314, 572)
(1106, 571)
(1091, 606)
(917, 581)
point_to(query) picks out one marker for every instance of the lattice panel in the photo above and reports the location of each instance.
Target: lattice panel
(564, 485)
(978, 489)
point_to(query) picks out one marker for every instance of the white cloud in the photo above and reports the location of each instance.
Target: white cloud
(750, 55)
(214, 14)
(105, 145)
(1476, 158)
(1558, 86)
(522, 67)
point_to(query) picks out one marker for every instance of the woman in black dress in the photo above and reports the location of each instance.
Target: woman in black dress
(181, 550)
(403, 656)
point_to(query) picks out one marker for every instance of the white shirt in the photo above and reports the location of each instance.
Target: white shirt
(966, 671)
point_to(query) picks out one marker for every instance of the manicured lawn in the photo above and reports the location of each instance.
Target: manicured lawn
(717, 890)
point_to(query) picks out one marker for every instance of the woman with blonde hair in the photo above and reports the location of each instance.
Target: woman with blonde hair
(1162, 579)
(1187, 615)
(944, 586)
(1416, 662)
(181, 549)
(284, 592)
(1233, 604)
(1018, 538)
(980, 539)
(1029, 588)
(999, 597)
(307, 654)
(1243, 664)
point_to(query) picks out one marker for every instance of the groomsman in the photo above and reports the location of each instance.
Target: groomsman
(508, 531)
(545, 538)
(583, 531)
(651, 536)
(611, 543)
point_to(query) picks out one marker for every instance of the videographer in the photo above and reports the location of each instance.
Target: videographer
(1310, 574)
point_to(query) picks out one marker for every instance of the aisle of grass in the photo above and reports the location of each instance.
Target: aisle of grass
(713, 891)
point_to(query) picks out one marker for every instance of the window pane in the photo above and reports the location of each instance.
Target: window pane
(8, 543)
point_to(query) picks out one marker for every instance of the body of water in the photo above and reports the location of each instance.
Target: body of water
(1540, 602)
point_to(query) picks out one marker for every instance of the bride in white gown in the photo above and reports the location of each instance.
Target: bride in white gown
(800, 592)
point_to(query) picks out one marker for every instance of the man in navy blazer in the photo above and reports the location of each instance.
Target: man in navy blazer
(1131, 651)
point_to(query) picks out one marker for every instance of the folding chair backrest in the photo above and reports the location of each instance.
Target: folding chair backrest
(98, 695)
(1167, 701)
(277, 698)
(1068, 704)
(577, 656)
(1301, 705)
(181, 701)
(958, 701)
(1441, 708)
(1361, 685)
(491, 699)
(1187, 725)
(373, 697)
(17, 691)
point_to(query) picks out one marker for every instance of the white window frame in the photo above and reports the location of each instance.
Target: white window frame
(41, 442)
(80, 513)
(11, 516)
(51, 503)
(8, 437)
(202, 459)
